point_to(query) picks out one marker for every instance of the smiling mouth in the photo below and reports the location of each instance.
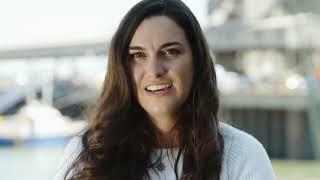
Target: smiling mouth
(158, 88)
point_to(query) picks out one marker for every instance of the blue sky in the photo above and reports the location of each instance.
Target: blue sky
(42, 22)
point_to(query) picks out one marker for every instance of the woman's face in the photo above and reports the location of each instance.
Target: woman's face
(161, 66)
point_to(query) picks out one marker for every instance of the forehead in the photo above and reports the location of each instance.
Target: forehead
(157, 30)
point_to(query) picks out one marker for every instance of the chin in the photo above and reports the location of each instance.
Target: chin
(160, 111)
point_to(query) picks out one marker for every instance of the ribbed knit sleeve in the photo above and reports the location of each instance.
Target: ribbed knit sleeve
(244, 157)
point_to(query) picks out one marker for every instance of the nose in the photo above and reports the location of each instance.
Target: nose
(156, 67)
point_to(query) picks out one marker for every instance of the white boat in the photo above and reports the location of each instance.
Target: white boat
(36, 123)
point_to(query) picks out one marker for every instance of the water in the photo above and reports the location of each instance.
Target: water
(30, 163)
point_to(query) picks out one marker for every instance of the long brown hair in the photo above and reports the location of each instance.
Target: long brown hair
(119, 140)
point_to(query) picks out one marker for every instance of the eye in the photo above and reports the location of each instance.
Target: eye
(136, 56)
(171, 52)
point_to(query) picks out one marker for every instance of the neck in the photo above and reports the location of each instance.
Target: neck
(167, 137)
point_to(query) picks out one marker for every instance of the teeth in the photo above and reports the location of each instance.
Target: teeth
(158, 87)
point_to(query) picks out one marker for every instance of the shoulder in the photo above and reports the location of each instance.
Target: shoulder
(244, 157)
(238, 139)
(70, 153)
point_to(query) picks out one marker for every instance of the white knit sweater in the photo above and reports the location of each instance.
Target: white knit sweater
(244, 158)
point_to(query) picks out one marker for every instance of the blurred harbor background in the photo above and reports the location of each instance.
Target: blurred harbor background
(53, 57)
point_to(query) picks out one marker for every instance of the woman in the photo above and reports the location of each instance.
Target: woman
(157, 114)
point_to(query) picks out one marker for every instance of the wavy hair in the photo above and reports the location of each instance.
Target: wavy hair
(119, 140)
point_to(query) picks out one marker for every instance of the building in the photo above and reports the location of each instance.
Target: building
(271, 50)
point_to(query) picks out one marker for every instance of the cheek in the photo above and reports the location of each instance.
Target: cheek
(185, 72)
(136, 76)
(188, 79)
(183, 75)
(132, 71)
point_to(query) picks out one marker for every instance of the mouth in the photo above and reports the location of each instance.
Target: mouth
(158, 88)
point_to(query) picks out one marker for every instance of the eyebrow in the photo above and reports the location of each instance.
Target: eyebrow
(161, 47)
(170, 44)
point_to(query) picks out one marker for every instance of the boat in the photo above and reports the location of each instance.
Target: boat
(38, 124)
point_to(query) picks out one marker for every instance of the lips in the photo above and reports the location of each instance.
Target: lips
(158, 87)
